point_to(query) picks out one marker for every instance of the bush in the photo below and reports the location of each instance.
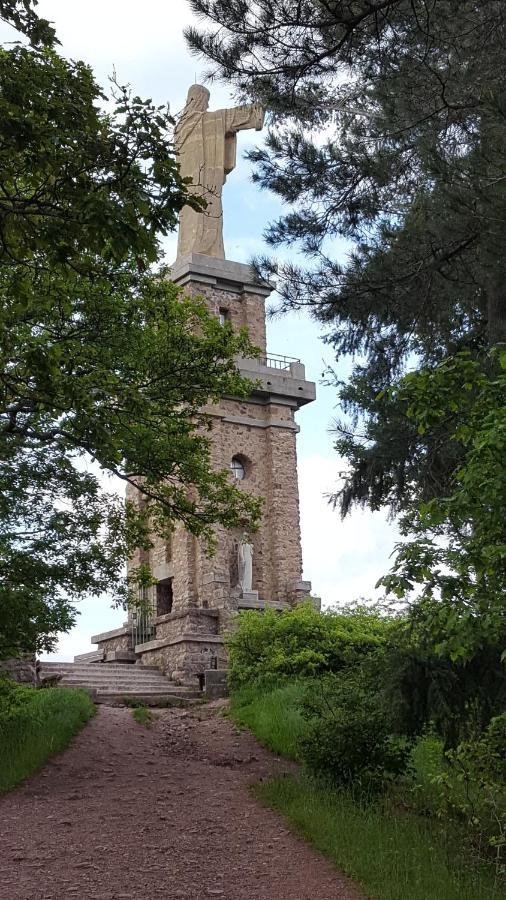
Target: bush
(349, 736)
(473, 789)
(301, 642)
(35, 725)
(13, 695)
(466, 786)
(428, 689)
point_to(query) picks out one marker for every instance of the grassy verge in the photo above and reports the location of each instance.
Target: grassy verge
(38, 725)
(393, 856)
(273, 716)
(392, 847)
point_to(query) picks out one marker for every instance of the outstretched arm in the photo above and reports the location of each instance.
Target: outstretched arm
(251, 115)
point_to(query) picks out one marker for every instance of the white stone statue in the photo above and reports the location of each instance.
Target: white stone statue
(245, 564)
(206, 144)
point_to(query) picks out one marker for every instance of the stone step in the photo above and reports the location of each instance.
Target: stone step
(117, 683)
(53, 664)
(101, 668)
(93, 656)
(120, 685)
(100, 679)
(110, 677)
(148, 676)
(129, 691)
(134, 692)
(117, 673)
(110, 698)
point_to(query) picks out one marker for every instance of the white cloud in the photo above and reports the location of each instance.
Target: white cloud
(143, 43)
(343, 559)
(119, 29)
(95, 615)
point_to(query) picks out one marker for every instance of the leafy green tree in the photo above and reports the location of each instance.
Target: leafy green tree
(427, 689)
(388, 128)
(22, 15)
(455, 552)
(105, 366)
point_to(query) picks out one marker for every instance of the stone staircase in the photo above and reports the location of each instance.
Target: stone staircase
(114, 684)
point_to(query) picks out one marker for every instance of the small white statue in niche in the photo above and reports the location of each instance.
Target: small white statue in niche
(245, 563)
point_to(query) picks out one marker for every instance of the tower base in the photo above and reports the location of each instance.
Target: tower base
(184, 645)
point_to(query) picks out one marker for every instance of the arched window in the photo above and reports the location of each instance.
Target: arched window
(238, 468)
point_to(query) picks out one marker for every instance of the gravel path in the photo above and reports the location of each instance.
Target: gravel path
(129, 813)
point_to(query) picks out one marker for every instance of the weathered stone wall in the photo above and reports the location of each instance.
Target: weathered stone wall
(185, 659)
(196, 621)
(265, 438)
(244, 309)
(184, 566)
(264, 435)
(283, 514)
(115, 642)
(20, 669)
(216, 684)
(161, 554)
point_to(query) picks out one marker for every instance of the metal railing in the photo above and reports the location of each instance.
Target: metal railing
(143, 627)
(277, 361)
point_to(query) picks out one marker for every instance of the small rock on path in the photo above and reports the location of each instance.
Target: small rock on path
(128, 813)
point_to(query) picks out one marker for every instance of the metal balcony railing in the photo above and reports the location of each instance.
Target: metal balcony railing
(277, 361)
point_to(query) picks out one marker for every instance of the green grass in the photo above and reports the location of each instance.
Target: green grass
(394, 856)
(273, 716)
(143, 716)
(392, 847)
(39, 724)
(428, 761)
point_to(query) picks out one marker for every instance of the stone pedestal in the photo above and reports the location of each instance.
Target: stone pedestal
(260, 433)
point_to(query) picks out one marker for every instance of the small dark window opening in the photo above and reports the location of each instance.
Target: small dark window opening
(224, 316)
(164, 597)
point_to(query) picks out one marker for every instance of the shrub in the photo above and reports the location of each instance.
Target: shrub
(301, 642)
(420, 792)
(473, 789)
(13, 695)
(349, 736)
(427, 688)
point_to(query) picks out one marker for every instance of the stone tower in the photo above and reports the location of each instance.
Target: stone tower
(196, 595)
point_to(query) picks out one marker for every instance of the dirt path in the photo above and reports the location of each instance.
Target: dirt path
(129, 813)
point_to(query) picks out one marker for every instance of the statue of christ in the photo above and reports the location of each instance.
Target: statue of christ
(206, 144)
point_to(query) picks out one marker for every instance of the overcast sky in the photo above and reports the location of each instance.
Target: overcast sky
(143, 43)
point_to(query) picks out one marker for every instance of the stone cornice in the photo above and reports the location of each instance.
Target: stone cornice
(219, 273)
(187, 637)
